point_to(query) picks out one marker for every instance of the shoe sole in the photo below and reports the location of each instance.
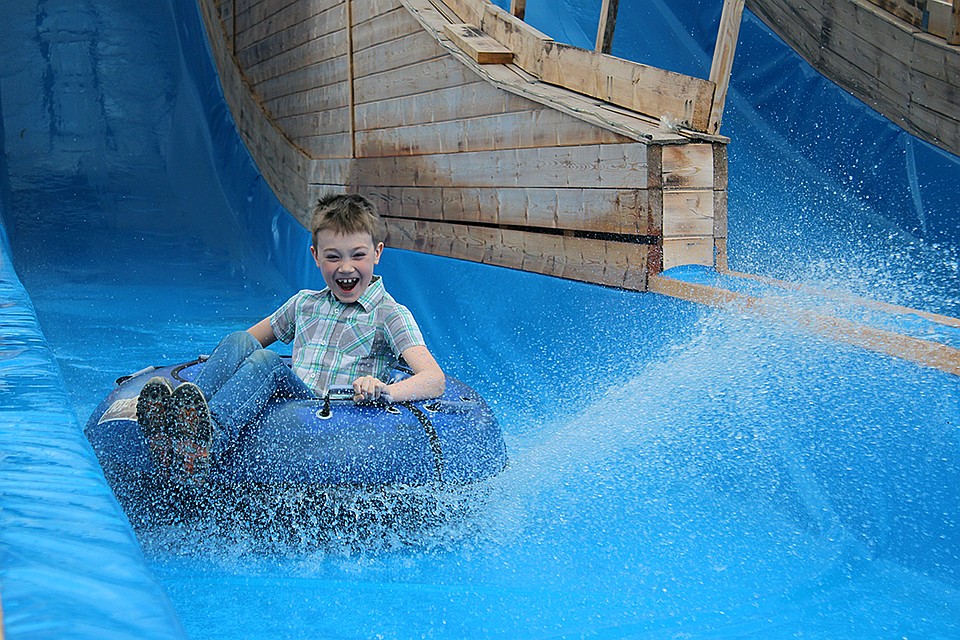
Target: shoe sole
(152, 407)
(152, 415)
(192, 428)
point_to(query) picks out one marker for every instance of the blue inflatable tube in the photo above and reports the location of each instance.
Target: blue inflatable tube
(334, 442)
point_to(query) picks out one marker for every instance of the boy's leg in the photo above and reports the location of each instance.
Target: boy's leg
(226, 358)
(241, 399)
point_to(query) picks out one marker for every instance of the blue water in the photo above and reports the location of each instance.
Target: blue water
(675, 471)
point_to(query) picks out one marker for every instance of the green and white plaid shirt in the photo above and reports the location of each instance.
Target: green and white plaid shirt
(335, 343)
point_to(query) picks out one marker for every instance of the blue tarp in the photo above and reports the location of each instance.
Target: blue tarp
(673, 470)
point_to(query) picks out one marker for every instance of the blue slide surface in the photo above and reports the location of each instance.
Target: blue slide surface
(675, 471)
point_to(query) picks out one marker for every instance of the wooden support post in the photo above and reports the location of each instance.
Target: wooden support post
(351, 91)
(518, 8)
(608, 21)
(953, 37)
(722, 65)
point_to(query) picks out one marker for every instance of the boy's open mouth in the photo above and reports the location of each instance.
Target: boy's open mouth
(347, 284)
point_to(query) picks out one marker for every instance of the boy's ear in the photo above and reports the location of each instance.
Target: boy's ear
(313, 252)
(377, 251)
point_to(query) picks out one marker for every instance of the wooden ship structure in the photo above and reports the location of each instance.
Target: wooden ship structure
(482, 139)
(479, 137)
(900, 57)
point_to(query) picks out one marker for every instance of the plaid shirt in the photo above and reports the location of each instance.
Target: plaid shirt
(336, 343)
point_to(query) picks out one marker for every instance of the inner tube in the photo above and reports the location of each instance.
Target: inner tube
(331, 442)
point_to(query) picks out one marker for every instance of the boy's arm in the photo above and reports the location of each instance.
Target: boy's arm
(263, 332)
(427, 381)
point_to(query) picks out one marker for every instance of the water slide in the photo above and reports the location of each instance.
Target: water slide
(676, 471)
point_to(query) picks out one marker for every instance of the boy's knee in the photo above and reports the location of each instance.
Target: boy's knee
(242, 338)
(264, 358)
(241, 343)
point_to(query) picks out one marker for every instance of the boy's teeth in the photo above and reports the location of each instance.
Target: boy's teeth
(347, 283)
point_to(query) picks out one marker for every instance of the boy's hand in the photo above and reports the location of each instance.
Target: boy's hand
(368, 388)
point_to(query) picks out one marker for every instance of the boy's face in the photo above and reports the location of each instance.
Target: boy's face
(346, 262)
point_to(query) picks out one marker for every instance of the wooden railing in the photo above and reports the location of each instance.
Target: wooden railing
(683, 101)
(940, 18)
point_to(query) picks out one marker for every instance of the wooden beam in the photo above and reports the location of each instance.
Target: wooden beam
(722, 65)
(351, 98)
(616, 264)
(518, 8)
(606, 26)
(923, 352)
(954, 37)
(478, 45)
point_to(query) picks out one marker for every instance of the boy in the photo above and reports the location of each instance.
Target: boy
(350, 333)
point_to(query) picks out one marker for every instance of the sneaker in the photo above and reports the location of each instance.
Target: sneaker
(153, 416)
(192, 431)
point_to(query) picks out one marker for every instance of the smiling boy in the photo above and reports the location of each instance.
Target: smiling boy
(350, 333)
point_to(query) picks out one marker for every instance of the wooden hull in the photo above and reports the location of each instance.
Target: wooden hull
(484, 162)
(893, 64)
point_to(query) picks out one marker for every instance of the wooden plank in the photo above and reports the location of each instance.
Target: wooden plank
(688, 213)
(396, 54)
(515, 80)
(723, 54)
(924, 352)
(422, 77)
(688, 166)
(618, 119)
(272, 17)
(301, 50)
(937, 95)
(320, 74)
(933, 57)
(371, 9)
(940, 21)
(599, 261)
(903, 10)
(646, 89)
(682, 100)
(589, 166)
(793, 21)
(471, 100)
(720, 204)
(332, 145)
(384, 28)
(469, 11)
(316, 123)
(526, 43)
(934, 128)
(619, 211)
(606, 26)
(330, 171)
(332, 96)
(953, 38)
(518, 130)
(859, 16)
(478, 45)
(882, 59)
(691, 250)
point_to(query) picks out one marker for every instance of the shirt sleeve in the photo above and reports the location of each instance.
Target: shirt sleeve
(283, 320)
(402, 331)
